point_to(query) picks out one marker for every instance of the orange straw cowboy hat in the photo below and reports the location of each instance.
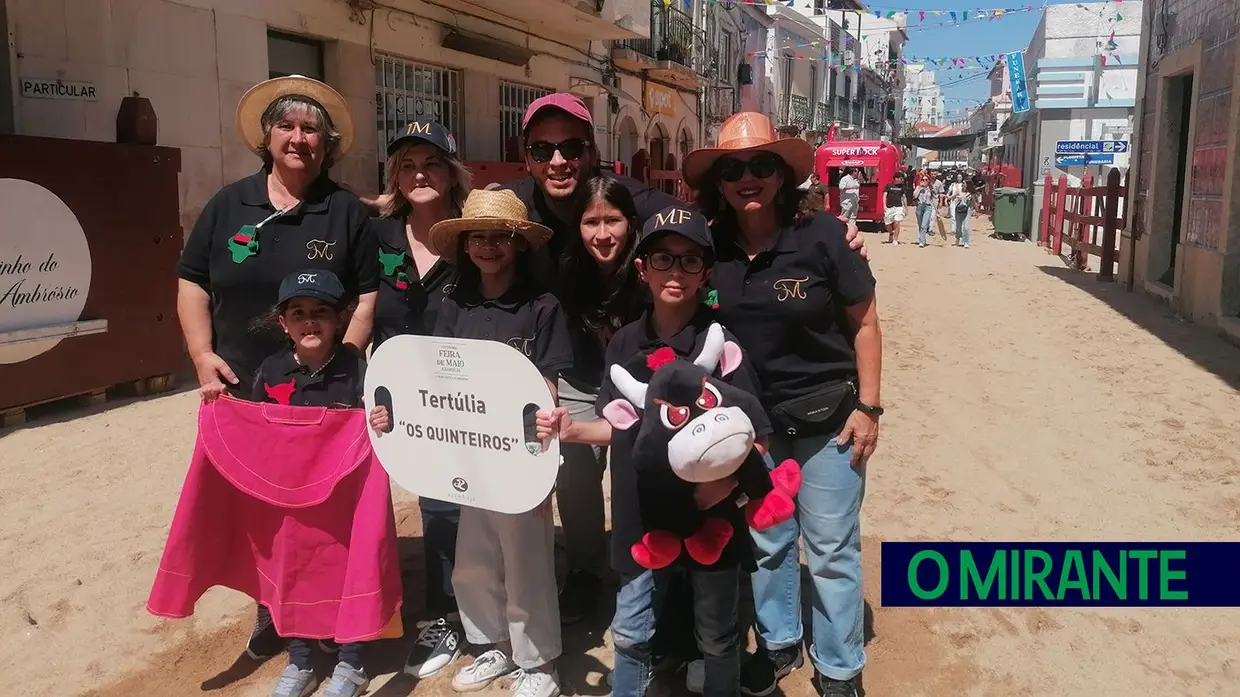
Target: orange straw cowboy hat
(487, 210)
(256, 100)
(750, 131)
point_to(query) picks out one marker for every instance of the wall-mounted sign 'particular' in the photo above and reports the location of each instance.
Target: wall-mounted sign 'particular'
(44, 270)
(462, 416)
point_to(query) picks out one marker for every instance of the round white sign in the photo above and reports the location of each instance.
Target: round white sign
(44, 266)
(462, 422)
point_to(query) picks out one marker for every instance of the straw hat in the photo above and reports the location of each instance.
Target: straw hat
(487, 210)
(750, 131)
(256, 100)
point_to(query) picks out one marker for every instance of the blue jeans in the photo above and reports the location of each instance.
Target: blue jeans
(925, 214)
(640, 601)
(828, 516)
(964, 225)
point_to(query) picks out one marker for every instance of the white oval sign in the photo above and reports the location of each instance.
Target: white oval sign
(460, 409)
(44, 266)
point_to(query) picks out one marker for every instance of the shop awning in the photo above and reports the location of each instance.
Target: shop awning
(956, 142)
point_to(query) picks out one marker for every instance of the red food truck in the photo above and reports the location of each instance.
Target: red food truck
(876, 163)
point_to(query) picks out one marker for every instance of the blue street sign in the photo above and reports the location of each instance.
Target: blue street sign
(1080, 147)
(1069, 160)
(1016, 77)
(1100, 159)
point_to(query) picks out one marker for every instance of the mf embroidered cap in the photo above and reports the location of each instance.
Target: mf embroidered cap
(425, 132)
(677, 220)
(312, 283)
(562, 101)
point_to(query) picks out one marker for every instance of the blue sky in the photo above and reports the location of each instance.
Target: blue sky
(974, 37)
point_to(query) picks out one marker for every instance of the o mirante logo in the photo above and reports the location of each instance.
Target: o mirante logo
(1031, 574)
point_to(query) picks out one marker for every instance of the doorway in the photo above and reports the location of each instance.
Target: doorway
(1179, 107)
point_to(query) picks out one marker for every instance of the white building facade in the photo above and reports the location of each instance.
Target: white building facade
(922, 98)
(405, 59)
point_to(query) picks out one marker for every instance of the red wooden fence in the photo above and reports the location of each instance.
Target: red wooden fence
(1093, 219)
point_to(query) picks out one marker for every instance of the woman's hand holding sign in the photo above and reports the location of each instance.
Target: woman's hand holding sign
(551, 424)
(380, 420)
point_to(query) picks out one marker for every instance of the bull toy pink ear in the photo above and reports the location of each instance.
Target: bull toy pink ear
(731, 359)
(620, 414)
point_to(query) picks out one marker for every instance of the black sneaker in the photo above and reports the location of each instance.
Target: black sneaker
(438, 645)
(762, 671)
(828, 687)
(579, 599)
(264, 642)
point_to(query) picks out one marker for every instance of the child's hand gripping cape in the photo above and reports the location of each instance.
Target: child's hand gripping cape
(290, 506)
(698, 428)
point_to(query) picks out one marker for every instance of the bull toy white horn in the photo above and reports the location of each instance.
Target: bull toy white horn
(712, 349)
(633, 389)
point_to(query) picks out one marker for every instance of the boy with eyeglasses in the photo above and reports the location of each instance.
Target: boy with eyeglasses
(673, 257)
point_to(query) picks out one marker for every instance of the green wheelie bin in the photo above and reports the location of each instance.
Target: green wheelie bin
(1011, 213)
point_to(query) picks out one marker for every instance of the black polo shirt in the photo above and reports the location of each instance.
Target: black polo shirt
(338, 384)
(526, 318)
(328, 230)
(408, 303)
(636, 339)
(787, 305)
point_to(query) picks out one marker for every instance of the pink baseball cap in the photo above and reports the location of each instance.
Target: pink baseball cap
(568, 103)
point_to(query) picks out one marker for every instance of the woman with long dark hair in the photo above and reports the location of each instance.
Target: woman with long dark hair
(802, 305)
(600, 294)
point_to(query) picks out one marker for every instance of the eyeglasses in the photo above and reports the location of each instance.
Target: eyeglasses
(663, 261)
(478, 239)
(571, 149)
(761, 166)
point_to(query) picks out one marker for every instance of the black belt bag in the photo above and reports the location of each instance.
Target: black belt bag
(818, 413)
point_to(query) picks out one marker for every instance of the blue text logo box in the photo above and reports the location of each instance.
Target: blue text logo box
(1069, 160)
(1062, 574)
(1078, 147)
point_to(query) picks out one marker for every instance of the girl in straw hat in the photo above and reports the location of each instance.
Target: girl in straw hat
(504, 575)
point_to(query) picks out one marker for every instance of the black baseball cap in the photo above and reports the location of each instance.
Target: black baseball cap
(677, 220)
(312, 283)
(427, 132)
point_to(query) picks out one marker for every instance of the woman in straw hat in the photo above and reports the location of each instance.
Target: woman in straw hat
(250, 236)
(504, 575)
(802, 305)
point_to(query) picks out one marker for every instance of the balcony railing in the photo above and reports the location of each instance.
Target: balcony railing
(672, 38)
(823, 115)
(796, 112)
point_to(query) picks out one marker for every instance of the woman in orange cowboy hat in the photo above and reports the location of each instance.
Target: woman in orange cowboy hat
(802, 305)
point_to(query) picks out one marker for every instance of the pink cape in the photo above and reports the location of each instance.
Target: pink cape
(290, 506)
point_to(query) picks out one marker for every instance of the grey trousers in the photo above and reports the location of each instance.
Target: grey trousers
(579, 491)
(505, 583)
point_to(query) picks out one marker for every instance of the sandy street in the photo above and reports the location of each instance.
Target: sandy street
(1025, 402)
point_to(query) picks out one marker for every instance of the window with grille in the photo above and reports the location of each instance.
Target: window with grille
(407, 91)
(514, 99)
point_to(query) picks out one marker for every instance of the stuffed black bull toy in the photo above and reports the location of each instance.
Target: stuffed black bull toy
(699, 429)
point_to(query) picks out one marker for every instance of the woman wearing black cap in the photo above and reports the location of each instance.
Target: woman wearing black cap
(425, 183)
(803, 308)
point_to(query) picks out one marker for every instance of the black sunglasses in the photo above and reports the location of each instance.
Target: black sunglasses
(571, 149)
(689, 263)
(761, 166)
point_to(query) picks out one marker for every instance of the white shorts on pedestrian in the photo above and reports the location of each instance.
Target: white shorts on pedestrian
(895, 214)
(505, 583)
(848, 208)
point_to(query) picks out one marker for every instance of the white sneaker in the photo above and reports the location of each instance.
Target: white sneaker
(485, 669)
(695, 677)
(541, 684)
(895, 241)
(966, 245)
